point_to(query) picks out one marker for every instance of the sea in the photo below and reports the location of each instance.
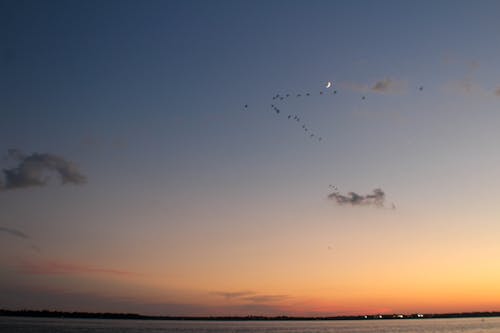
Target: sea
(60, 325)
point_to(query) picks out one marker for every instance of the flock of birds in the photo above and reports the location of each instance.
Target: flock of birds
(294, 117)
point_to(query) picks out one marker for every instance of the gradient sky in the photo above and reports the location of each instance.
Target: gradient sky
(194, 205)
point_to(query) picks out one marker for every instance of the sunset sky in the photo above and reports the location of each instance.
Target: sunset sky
(135, 178)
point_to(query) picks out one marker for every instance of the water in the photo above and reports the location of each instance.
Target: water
(50, 325)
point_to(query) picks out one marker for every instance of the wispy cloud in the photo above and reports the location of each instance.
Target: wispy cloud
(235, 294)
(41, 296)
(384, 86)
(63, 268)
(251, 296)
(465, 86)
(265, 298)
(376, 198)
(468, 86)
(387, 86)
(470, 65)
(14, 232)
(31, 170)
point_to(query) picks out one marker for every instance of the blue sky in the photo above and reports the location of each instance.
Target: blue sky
(147, 100)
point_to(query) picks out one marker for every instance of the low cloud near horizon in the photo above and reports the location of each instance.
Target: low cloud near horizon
(235, 294)
(36, 296)
(251, 296)
(31, 170)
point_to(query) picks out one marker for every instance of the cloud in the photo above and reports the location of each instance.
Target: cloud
(251, 296)
(20, 235)
(376, 198)
(383, 86)
(265, 298)
(236, 294)
(387, 86)
(62, 268)
(31, 170)
(466, 86)
(469, 87)
(22, 296)
(14, 232)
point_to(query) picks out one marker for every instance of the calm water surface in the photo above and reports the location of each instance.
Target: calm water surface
(46, 325)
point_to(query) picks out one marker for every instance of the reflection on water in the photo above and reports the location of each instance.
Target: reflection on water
(46, 325)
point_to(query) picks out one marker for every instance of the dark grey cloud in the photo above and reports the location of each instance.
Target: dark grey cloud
(376, 198)
(32, 170)
(384, 85)
(14, 232)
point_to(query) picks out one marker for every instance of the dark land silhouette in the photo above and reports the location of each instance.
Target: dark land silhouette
(106, 315)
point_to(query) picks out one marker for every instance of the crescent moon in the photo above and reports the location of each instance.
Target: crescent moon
(328, 84)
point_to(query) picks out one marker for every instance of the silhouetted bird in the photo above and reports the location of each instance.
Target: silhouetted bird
(298, 95)
(289, 116)
(321, 93)
(246, 106)
(307, 94)
(363, 98)
(421, 88)
(335, 91)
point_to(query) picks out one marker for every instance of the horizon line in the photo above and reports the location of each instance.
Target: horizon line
(122, 315)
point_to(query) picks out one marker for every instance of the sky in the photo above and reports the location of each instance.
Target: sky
(149, 164)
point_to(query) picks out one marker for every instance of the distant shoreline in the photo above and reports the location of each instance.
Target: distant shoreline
(96, 315)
